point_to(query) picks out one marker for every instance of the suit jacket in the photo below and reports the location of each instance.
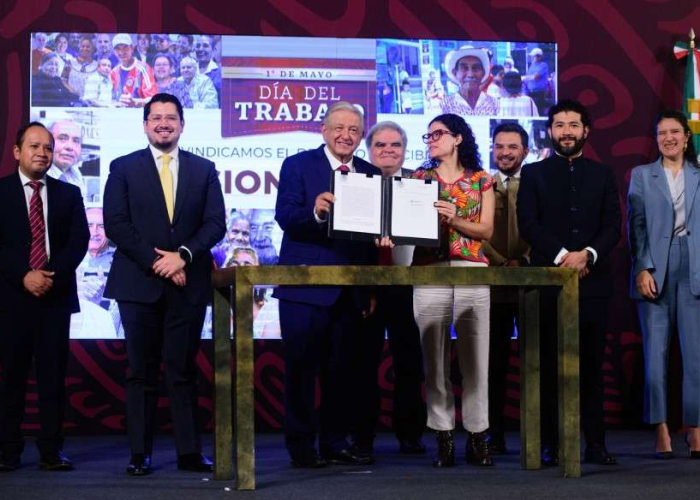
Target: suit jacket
(305, 242)
(136, 220)
(650, 219)
(68, 241)
(505, 243)
(571, 205)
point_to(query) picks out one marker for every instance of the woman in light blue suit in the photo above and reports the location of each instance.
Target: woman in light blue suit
(664, 236)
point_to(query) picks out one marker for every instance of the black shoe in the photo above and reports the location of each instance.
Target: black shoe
(694, 454)
(599, 455)
(346, 457)
(308, 461)
(9, 463)
(549, 456)
(139, 465)
(496, 442)
(478, 450)
(411, 446)
(55, 461)
(195, 462)
(663, 455)
(445, 450)
(362, 450)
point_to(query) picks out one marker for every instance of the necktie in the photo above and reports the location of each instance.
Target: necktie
(166, 181)
(343, 169)
(37, 253)
(513, 234)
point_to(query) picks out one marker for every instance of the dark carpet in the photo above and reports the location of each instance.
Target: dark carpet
(101, 461)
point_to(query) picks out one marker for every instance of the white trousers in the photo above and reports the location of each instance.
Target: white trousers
(467, 307)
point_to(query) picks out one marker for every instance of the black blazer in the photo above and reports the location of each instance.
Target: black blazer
(560, 207)
(305, 242)
(136, 220)
(68, 241)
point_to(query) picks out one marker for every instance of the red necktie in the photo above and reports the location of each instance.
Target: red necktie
(37, 255)
(344, 169)
(385, 256)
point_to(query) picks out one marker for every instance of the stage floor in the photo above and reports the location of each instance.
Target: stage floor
(100, 463)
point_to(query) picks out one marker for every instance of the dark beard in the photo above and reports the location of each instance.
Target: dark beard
(570, 150)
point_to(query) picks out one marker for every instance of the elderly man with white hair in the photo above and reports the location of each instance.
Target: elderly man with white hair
(200, 87)
(468, 67)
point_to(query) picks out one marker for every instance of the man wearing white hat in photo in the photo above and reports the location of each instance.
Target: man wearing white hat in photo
(469, 68)
(134, 82)
(537, 79)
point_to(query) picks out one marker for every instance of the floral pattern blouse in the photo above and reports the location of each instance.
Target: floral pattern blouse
(465, 192)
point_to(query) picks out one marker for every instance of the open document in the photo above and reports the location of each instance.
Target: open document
(369, 207)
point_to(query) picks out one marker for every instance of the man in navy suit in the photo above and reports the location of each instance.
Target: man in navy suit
(43, 238)
(164, 210)
(569, 212)
(319, 324)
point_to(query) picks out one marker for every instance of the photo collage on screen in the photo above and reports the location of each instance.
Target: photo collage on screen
(249, 103)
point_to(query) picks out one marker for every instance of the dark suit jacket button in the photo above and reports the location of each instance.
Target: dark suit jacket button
(574, 230)
(172, 229)
(573, 209)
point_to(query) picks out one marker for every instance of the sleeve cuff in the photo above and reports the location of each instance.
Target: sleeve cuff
(560, 256)
(188, 253)
(593, 253)
(318, 219)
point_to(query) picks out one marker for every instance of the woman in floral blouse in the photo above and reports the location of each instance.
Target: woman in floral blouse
(466, 209)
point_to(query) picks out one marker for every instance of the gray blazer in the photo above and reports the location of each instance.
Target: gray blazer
(650, 223)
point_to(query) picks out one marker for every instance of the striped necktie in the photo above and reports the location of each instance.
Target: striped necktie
(37, 254)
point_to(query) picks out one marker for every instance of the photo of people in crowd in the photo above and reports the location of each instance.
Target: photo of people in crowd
(124, 70)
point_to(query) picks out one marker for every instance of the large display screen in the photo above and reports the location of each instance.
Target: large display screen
(249, 103)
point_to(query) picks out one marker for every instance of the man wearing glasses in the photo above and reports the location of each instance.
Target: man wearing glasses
(164, 210)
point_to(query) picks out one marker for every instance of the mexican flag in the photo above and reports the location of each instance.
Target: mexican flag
(691, 87)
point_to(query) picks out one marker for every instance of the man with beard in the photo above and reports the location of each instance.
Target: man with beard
(393, 316)
(569, 212)
(164, 210)
(319, 324)
(262, 224)
(504, 248)
(103, 46)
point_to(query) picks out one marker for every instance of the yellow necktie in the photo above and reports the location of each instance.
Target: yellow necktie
(166, 180)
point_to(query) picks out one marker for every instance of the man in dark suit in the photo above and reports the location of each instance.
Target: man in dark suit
(319, 324)
(393, 316)
(505, 248)
(43, 238)
(569, 212)
(164, 210)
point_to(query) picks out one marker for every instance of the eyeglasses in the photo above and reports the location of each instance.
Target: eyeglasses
(169, 119)
(436, 135)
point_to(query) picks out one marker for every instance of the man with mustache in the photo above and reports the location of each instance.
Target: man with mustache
(569, 212)
(262, 224)
(68, 139)
(164, 210)
(504, 248)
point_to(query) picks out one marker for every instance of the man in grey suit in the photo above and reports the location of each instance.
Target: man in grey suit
(386, 143)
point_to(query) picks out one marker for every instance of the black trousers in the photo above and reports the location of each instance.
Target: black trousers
(393, 315)
(168, 330)
(41, 335)
(503, 317)
(318, 341)
(593, 321)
